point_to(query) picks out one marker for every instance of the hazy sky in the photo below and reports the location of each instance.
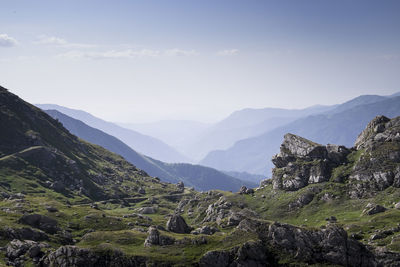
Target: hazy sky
(132, 61)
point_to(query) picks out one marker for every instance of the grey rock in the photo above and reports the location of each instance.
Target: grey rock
(154, 238)
(41, 222)
(372, 209)
(177, 224)
(147, 210)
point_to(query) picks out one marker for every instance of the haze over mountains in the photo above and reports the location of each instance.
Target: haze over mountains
(202, 178)
(337, 126)
(144, 144)
(242, 144)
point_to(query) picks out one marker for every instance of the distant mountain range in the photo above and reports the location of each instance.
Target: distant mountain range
(144, 144)
(200, 177)
(339, 125)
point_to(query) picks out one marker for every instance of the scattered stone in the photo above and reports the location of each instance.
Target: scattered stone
(51, 209)
(205, 230)
(372, 209)
(331, 219)
(147, 210)
(141, 191)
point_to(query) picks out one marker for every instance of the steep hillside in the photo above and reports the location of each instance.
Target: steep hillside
(146, 145)
(202, 178)
(335, 127)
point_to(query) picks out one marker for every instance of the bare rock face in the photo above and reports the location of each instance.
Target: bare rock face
(378, 165)
(178, 225)
(374, 128)
(302, 162)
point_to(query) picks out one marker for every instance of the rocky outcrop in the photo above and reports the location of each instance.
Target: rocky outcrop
(302, 162)
(330, 245)
(24, 233)
(154, 238)
(17, 250)
(245, 190)
(378, 164)
(41, 222)
(80, 257)
(177, 224)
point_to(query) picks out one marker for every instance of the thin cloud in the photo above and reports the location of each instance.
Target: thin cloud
(60, 42)
(7, 41)
(228, 52)
(180, 52)
(125, 54)
(112, 54)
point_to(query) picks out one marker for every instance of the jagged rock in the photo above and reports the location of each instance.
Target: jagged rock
(80, 257)
(24, 233)
(372, 209)
(141, 191)
(374, 127)
(397, 205)
(42, 222)
(154, 238)
(17, 248)
(177, 224)
(327, 245)
(180, 186)
(302, 162)
(244, 190)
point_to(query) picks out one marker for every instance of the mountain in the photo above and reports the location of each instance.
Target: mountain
(66, 202)
(177, 133)
(338, 126)
(202, 178)
(244, 124)
(146, 145)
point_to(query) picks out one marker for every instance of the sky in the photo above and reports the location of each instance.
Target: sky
(142, 61)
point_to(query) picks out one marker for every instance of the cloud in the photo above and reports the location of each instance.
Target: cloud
(228, 52)
(180, 52)
(7, 41)
(60, 42)
(125, 54)
(112, 54)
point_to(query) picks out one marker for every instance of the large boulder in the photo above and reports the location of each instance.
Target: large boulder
(177, 224)
(41, 222)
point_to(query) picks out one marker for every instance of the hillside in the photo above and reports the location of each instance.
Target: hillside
(146, 145)
(202, 178)
(334, 127)
(66, 202)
